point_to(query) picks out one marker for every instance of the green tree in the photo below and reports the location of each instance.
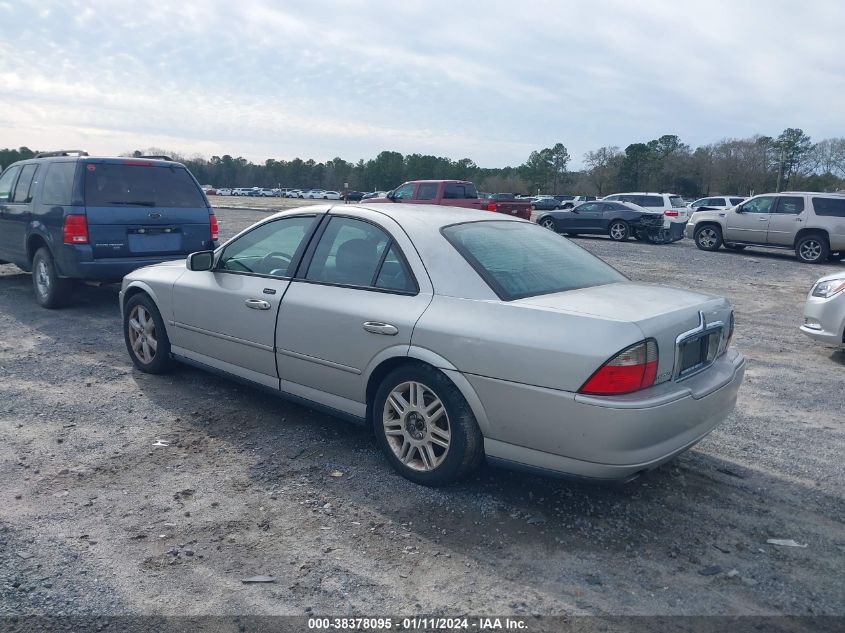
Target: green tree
(794, 147)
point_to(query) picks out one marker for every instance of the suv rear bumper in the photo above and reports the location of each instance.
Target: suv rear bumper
(79, 264)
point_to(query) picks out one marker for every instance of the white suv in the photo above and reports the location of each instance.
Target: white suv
(669, 204)
(716, 202)
(811, 223)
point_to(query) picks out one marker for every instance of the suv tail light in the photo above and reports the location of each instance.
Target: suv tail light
(671, 214)
(75, 229)
(632, 369)
(492, 206)
(215, 229)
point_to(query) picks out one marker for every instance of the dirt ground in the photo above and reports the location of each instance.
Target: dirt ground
(124, 493)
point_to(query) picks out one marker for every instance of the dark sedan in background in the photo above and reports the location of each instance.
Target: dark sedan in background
(619, 220)
(545, 203)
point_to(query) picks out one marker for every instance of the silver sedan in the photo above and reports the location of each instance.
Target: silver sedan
(824, 311)
(455, 334)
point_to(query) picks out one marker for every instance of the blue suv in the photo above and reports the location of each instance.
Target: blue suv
(66, 216)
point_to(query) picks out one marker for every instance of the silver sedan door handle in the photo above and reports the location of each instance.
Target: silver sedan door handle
(381, 328)
(257, 304)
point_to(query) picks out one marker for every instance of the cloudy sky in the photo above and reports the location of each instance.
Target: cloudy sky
(490, 80)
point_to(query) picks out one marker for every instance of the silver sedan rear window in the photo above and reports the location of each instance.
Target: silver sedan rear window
(519, 260)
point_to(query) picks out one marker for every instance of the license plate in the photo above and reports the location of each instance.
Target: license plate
(697, 353)
(155, 240)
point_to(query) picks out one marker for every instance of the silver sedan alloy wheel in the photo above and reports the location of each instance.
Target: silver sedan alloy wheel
(142, 334)
(707, 237)
(416, 426)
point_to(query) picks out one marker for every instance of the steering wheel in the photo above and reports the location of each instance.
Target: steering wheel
(269, 265)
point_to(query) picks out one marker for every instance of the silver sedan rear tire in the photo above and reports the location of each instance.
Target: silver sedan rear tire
(425, 427)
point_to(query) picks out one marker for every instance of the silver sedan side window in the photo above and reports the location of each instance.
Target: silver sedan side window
(357, 253)
(269, 249)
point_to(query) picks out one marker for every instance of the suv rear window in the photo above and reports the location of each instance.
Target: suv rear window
(140, 185)
(678, 201)
(736, 201)
(648, 201)
(519, 260)
(829, 207)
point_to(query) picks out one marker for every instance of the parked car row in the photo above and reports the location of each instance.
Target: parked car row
(312, 194)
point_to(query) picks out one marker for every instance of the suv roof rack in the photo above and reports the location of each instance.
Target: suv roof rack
(61, 152)
(156, 157)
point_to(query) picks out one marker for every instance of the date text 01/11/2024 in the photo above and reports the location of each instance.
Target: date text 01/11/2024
(419, 623)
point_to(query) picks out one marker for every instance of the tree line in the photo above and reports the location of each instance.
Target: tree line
(731, 166)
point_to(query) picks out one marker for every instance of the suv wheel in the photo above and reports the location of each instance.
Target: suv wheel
(812, 249)
(708, 237)
(425, 427)
(619, 231)
(51, 291)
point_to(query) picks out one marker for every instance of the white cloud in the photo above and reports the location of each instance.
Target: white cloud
(488, 80)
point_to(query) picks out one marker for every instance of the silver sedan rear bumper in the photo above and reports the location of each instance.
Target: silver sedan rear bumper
(605, 437)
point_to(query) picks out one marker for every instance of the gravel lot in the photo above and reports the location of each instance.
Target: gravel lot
(128, 493)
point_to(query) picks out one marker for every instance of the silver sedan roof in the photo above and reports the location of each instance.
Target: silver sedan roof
(448, 271)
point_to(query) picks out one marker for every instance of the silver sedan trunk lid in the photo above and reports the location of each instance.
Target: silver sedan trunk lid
(671, 316)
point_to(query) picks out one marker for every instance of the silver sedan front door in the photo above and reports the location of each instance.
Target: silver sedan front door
(226, 317)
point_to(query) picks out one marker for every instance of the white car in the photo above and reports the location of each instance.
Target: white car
(314, 193)
(266, 193)
(224, 191)
(824, 312)
(294, 193)
(669, 204)
(717, 202)
(242, 191)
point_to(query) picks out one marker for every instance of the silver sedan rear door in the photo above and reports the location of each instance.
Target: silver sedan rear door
(356, 302)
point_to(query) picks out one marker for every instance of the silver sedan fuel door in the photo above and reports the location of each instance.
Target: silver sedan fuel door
(226, 317)
(357, 301)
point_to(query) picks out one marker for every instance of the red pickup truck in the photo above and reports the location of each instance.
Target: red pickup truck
(454, 193)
